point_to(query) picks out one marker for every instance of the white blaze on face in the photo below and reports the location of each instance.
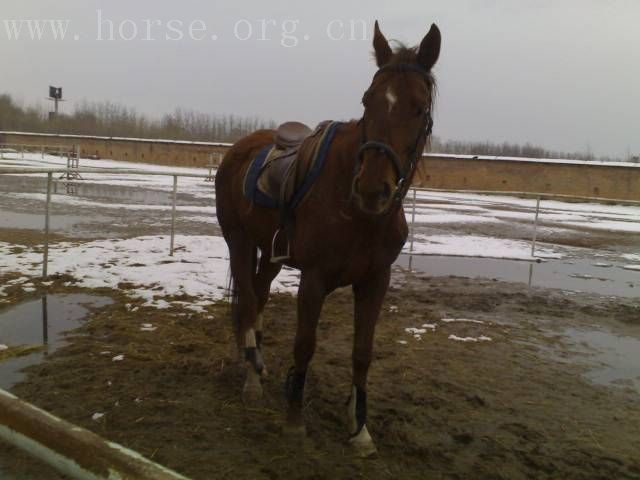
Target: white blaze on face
(391, 97)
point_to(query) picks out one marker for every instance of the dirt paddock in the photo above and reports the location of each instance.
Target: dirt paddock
(515, 407)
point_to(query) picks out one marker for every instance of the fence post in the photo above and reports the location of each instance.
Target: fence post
(173, 214)
(413, 221)
(535, 227)
(45, 260)
(45, 321)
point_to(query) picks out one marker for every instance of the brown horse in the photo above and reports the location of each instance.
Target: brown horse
(349, 229)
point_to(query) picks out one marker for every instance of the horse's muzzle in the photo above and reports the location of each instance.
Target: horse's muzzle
(372, 199)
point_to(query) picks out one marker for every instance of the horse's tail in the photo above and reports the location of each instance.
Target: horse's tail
(233, 298)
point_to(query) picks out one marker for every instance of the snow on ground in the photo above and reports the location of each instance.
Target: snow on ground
(621, 218)
(479, 246)
(441, 217)
(561, 161)
(199, 267)
(482, 338)
(193, 185)
(433, 208)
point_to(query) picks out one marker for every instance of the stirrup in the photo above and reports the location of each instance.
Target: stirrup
(279, 258)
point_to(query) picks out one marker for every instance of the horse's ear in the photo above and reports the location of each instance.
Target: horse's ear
(381, 47)
(430, 48)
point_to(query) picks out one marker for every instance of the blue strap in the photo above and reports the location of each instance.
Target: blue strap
(314, 173)
(251, 189)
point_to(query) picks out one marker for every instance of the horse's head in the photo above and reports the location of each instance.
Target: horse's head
(396, 123)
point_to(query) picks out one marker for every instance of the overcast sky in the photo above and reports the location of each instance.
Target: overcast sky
(564, 74)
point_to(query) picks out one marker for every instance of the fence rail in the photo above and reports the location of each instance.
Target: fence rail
(538, 197)
(21, 149)
(70, 449)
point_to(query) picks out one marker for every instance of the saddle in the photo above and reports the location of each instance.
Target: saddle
(282, 174)
(284, 166)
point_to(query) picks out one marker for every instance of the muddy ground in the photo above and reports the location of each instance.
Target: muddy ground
(516, 407)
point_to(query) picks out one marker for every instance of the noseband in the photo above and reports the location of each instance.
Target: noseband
(385, 149)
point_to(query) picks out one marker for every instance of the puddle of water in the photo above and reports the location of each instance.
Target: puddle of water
(616, 358)
(33, 221)
(118, 194)
(92, 191)
(41, 322)
(580, 275)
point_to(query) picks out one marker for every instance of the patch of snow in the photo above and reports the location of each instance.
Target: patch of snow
(478, 246)
(630, 226)
(199, 268)
(97, 416)
(436, 218)
(481, 338)
(632, 267)
(461, 320)
(118, 358)
(3, 347)
(415, 331)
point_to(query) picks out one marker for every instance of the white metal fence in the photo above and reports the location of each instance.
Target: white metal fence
(410, 202)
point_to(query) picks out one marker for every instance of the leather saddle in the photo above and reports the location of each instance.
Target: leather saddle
(288, 162)
(283, 173)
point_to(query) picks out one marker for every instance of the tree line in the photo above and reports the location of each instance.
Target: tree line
(114, 120)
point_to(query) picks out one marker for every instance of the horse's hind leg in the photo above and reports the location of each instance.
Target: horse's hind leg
(311, 295)
(244, 312)
(267, 271)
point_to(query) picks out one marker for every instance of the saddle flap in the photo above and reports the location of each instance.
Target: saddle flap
(275, 180)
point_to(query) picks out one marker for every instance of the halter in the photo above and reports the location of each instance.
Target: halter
(385, 149)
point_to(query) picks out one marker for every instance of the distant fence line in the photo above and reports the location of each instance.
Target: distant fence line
(597, 180)
(50, 172)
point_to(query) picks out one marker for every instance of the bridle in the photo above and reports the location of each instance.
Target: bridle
(423, 134)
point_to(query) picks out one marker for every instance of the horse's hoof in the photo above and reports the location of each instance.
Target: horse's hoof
(294, 430)
(362, 444)
(251, 394)
(252, 390)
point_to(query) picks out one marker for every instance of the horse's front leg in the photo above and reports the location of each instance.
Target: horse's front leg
(311, 295)
(369, 296)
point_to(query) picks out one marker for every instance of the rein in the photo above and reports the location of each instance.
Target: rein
(387, 150)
